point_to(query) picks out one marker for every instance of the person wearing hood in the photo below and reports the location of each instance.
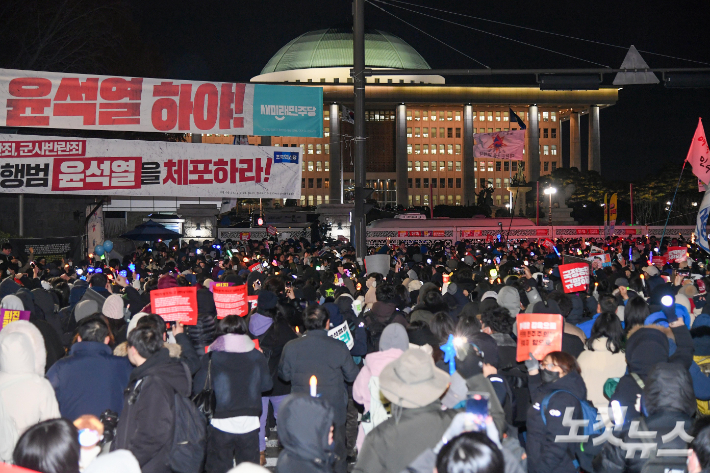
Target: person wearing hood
(306, 433)
(202, 334)
(498, 323)
(146, 425)
(27, 397)
(120, 461)
(52, 341)
(431, 302)
(317, 354)
(384, 311)
(90, 379)
(393, 342)
(557, 376)
(414, 385)
(238, 374)
(667, 402)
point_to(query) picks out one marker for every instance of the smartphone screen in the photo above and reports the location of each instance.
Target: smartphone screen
(477, 404)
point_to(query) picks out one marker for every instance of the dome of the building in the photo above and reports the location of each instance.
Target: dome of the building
(333, 47)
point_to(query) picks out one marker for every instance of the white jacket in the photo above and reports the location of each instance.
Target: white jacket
(597, 366)
(29, 397)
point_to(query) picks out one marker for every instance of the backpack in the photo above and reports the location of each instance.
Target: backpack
(703, 363)
(374, 332)
(656, 464)
(8, 429)
(187, 452)
(589, 412)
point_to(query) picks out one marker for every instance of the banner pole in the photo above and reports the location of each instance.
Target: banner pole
(670, 209)
(631, 194)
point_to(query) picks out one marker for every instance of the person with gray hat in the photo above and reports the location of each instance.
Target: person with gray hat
(414, 385)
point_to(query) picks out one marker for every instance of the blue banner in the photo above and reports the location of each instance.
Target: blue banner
(288, 111)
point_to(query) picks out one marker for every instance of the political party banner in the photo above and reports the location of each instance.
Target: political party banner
(175, 304)
(676, 254)
(538, 334)
(575, 276)
(499, 145)
(51, 249)
(214, 284)
(8, 316)
(231, 300)
(342, 333)
(53, 165)
(92, 102)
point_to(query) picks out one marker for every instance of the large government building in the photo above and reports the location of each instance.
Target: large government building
(419, 128)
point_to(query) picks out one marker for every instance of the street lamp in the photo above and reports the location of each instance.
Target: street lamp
(549, 191)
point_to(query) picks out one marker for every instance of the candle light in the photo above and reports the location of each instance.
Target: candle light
(314, 386)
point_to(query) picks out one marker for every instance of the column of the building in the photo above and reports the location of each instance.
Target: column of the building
(401, 155)
(196, 138)
(533, 148)
(335, 176)
(595, 163)
(469, 176)
(575, 148)
(265, 141)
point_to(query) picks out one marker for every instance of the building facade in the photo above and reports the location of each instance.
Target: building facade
(420, 129)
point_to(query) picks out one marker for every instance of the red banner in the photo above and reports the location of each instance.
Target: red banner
(676, 254)
(271, 230)
(538, 334)
(175, 304)
(575, 276)
(231, 300)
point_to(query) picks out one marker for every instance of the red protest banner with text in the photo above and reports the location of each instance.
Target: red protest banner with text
(47, 165)
(8, 316)
(575, 276)
(177, 304)
(538, 334)
(231, 300)
(676, 254)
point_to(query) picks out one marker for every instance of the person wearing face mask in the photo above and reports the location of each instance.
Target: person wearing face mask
(558, 371)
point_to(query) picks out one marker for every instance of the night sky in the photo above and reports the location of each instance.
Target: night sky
(649, 126)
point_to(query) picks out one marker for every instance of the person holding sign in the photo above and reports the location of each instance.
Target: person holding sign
(557, 372)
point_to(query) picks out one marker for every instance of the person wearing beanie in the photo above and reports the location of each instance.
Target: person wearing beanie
(90, 379)
(113, 307)
(509, 298)
(393, 342)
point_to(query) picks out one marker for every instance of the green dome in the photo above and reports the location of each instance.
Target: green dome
(333, 47)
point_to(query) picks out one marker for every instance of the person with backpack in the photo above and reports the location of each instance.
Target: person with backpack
(555, 385)
(667, 402)
(317, 354)
(383, 313)
(393, 342)
(147, 424)
(238, 374)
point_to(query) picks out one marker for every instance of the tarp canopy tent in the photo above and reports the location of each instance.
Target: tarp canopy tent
(150, 231)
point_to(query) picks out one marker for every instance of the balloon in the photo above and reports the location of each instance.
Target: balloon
(99, 250)
(108, 246)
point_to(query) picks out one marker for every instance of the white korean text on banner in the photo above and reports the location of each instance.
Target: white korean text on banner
(499, 145)
(93, 102)
(44, 165)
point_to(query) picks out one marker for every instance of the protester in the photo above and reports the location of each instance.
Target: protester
(238, 374)
(51, 446)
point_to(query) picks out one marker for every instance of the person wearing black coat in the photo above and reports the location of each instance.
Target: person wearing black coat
(306, 433)
(557, 371)
(146, 425)
(317, 354)
(202, 334)
(239, 375)
(668, 400)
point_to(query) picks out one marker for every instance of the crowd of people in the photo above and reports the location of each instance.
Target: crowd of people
(427, 378)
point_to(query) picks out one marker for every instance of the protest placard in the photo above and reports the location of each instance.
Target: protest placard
(538, 334)
(677, 254)
(175, 304)
(231, 300)
(342, 332)
(9, 316)
(575, 276)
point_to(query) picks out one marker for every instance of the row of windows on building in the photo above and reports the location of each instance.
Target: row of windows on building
(319, 182)
(442, 166)
(450, 115)
(435, 199)
(441, 183)
(443, 132)
(319, 166)
(424, 149)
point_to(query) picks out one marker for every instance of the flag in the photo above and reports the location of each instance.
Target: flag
(348, 115)
(701, 224)
(500, 145)
(612, 214)
(514, 116)
(699, 154)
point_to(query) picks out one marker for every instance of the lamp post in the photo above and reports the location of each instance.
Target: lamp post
(549, 191)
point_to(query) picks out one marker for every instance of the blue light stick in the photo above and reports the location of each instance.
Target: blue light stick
(450, 354)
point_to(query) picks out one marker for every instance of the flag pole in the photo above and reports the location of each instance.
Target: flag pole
(670, 209)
